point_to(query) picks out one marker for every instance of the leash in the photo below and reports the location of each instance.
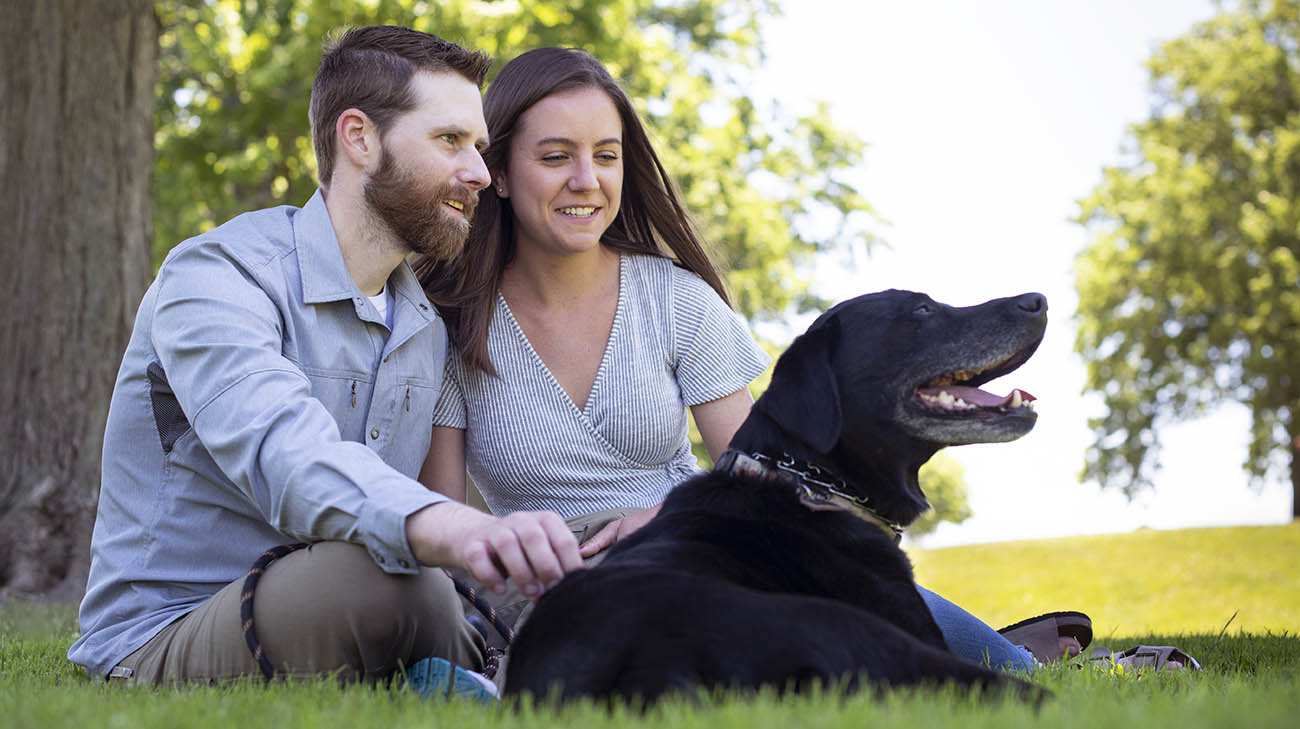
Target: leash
(491, 663)
(246, 604)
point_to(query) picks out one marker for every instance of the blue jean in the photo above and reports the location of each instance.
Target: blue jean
(970, 638)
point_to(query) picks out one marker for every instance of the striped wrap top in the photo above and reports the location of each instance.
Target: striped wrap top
(674, 343)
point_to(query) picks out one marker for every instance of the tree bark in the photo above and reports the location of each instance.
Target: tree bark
(76, 165)
(1295, 474)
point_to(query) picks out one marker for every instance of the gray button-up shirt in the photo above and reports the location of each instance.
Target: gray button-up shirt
(261, 400)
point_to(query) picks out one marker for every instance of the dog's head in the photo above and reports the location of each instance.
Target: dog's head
(880, 382)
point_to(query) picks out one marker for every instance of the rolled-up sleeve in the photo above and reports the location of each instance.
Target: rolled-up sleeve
(219, 338)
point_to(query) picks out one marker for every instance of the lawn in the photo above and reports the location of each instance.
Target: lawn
(1174, 582)
(1189, 580)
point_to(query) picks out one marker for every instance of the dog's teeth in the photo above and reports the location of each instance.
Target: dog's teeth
(1015, 399)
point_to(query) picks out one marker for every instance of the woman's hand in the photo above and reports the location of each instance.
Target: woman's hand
(616, 530)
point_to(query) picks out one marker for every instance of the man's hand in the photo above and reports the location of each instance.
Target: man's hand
(533, 548)
(617, 529)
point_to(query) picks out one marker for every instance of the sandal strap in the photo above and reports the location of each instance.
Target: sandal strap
(1147, 656)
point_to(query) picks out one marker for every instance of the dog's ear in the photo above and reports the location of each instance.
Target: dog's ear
(804, 397)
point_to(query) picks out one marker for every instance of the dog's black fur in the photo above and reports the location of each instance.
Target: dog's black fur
(736, 583)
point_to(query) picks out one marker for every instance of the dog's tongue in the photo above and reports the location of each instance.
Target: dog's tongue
(976, 396)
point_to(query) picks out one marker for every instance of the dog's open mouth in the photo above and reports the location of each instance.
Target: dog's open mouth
(958, 392)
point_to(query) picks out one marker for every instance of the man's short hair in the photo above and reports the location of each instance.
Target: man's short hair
(370, 69)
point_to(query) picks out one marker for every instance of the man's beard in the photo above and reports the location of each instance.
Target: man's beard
(413, 209)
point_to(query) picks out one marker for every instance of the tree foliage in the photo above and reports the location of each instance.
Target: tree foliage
(1189, 293)
(235, 78)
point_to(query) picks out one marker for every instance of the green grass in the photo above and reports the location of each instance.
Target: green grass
(1250, 678)
(1190, 580)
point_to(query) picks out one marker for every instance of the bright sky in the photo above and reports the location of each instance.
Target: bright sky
(986, 122)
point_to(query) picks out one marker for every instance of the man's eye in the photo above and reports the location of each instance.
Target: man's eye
(449, 138)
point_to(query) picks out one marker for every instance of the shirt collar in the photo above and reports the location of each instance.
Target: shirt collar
(320, 260)
(325, 276)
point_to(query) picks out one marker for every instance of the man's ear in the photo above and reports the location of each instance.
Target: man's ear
(804, 397)
(357, 136)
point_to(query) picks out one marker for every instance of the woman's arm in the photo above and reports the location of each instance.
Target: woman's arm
(719, 419)
(444, 467)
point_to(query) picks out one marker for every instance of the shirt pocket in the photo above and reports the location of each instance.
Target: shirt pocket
(346, 395)
(415, 420)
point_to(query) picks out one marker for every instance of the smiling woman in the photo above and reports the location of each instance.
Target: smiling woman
(568, 187)
(586, 316)
(568, 291)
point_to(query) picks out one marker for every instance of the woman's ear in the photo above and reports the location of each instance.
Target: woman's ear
(499, 183)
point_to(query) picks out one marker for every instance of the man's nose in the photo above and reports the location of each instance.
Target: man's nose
(474, 173)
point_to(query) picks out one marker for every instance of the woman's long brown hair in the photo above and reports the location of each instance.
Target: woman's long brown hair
(651, 216)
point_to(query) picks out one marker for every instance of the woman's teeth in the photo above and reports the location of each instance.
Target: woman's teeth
(584, 212)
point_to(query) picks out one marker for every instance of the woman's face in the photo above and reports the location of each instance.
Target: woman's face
(565, 173)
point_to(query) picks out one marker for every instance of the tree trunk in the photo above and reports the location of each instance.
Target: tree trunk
(1295, 473)
(76, 167)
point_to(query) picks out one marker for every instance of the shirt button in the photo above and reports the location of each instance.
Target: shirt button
(404, 564)
(374, 433)
(379, 558)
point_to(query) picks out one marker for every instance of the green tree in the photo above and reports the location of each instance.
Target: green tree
(1189, 293)
(235, 78)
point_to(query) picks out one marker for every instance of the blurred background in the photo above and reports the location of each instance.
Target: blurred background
(1138, 163)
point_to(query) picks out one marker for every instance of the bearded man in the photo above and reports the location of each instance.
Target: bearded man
(279, 387)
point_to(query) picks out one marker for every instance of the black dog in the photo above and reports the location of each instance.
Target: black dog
(781, 566)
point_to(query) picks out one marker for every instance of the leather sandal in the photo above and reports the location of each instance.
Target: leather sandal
(1041, 635)
(1159, 657)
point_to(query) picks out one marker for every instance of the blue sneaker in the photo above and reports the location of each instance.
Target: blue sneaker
(438, 679)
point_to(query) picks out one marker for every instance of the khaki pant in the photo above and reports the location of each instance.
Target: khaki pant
(324, 610)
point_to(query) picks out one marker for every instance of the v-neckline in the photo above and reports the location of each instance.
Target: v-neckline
(594, 391)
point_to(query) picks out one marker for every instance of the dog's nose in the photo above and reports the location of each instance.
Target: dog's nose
(1032, 303)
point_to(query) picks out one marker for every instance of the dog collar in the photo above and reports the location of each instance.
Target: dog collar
(817, 488)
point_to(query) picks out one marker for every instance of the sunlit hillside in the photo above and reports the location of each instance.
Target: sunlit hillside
(1190, 580)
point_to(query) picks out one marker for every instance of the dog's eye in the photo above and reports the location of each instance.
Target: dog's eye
(923, 310)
